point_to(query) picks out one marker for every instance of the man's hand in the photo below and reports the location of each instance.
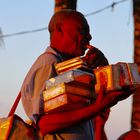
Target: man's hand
(108, 99)
(101, 119)
(95, 58)
(112, 98)
(99, 123)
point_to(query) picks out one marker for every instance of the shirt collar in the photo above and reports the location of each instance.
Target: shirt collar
(50, 49)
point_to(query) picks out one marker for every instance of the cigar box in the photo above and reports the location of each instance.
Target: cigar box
(134, 74)
(70, 64)
(65, 102)
(124, 74)
(110, 74)
(75, 76)
(79, 89)
(129, 74)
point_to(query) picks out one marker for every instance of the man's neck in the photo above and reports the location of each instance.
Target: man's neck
(63, 55)
(66, 56)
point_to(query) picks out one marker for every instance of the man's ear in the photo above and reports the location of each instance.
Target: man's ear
(59, 27)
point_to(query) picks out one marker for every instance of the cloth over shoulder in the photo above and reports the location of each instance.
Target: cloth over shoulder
(33, 85)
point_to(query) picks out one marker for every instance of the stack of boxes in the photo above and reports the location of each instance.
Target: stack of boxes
(117, 76)
(71, 89)
(75, 88)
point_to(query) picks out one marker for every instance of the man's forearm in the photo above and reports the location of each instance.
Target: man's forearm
(53, 122)
(56, 121)
(100, 133)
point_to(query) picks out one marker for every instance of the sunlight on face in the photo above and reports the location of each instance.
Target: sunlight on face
(76, 36)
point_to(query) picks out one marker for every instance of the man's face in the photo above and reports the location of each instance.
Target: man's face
(75, 36)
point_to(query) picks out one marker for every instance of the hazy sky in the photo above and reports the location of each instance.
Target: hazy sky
(112, 32)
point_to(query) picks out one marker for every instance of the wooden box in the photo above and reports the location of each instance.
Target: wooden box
(65, 102)
(134, 74)
(74, 76)
(79, 89)
(110, 74)
(71, 64)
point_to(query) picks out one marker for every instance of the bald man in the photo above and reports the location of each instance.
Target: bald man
(69, 36)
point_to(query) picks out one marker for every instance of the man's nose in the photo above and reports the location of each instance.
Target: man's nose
(89, 37)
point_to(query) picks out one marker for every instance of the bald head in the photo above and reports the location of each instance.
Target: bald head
(62, 16)
(69, 33)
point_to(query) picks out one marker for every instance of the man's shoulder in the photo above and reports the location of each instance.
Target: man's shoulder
(50, 54)
(46, 59)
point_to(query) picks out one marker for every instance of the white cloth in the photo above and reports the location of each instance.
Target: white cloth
(34, 83)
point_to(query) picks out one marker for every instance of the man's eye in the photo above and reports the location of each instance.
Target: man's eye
(82, 32)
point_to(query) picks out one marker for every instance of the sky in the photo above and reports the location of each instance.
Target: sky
(111, 30)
